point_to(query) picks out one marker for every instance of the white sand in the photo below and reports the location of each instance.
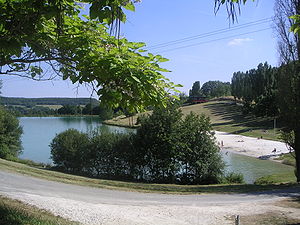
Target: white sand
(250, 146)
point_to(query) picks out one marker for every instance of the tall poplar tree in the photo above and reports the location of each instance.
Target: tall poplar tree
(289, 74)
(195, 91)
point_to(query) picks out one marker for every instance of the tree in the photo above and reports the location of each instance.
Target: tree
(50, 37)
(10, 135)
(101, 110)
(183, 98)
(258, 89)
(104, 112)
(157, 142)
(41, 37)
(289, 74)
(171, 148)
(68, 150)
(110, 155)
(195, 91)
(69, 110)
(213, 89)
(88, 109)
(199, 156)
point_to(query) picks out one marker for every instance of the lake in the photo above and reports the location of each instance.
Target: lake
(38, 132)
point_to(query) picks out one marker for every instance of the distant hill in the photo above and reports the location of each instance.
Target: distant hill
(29, 102)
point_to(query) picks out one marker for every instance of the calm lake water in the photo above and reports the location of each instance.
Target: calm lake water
(38, 132)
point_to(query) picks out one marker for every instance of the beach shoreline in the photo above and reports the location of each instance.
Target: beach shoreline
(249, 146)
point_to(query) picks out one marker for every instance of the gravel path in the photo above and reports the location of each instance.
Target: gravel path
(100, 206)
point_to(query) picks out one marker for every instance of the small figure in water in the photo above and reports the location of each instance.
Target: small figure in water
(274, 150)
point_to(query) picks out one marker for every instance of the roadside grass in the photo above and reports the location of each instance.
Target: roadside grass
(225, 116)
(276, 178)
(13, 212)
(139, 187)
(287, 159)
(274, 218)
(28, 162)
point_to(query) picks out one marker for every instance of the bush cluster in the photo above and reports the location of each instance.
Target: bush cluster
(167, 148)
(10, 134)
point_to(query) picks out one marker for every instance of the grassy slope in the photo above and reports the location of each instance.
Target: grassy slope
(139, 187)
(51, 106)
(224, 116)
(14, 212)
(287, 159)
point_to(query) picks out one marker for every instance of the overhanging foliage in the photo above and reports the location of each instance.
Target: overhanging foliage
(42, 39)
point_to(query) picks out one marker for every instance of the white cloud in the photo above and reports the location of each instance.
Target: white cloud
(239, 41)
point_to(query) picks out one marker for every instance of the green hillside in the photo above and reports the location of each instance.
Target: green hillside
(225, 116)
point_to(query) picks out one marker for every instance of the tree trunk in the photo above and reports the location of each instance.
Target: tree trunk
(297, 153)
(297, 122)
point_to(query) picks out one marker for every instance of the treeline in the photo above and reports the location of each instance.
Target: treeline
(210, 89)
(30, 102)
(103, 112)
(258, 89)
(166, 148)
(31, 111)
(270, 91)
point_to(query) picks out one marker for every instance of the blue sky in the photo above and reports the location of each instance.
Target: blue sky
(236, 47)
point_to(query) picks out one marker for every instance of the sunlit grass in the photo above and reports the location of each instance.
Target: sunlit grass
(276, 178)
(138, 187)
(13, 212)
(225, 116)
(287, 159)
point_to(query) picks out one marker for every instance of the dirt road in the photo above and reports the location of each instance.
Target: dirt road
(100, 206)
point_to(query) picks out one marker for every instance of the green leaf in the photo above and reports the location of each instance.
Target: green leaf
(178, 85)
(130, 6)
(163, 59)
(136, 79)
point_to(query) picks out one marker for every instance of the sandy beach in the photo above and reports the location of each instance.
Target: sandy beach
(250, 146)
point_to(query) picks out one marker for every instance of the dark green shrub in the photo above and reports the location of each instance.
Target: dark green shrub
(176, 150)
(269, 179)
(108, 155)
(68, 150)
(198, 154)
(157, 143)
(10, 134)
(165, 149)
(234, 178)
